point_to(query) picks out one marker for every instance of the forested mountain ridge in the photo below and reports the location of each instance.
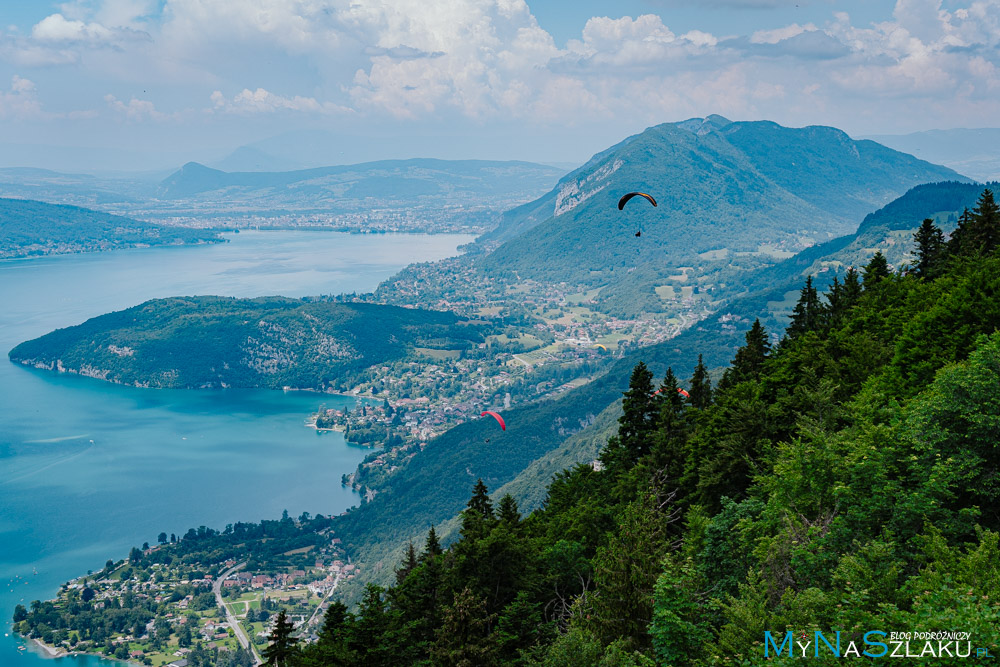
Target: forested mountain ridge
(719, 184)
(272, 342)
(541, 436)
(845, 479)
(29, 228)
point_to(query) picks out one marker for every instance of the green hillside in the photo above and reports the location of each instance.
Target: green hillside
(745, 188)
(536, 438)
(196, 342)
(29, 228)
(842, 481)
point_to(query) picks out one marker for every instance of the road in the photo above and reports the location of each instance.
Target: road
(230, 617)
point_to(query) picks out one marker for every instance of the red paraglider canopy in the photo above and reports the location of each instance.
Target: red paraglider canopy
(679, 391)
(499, 419)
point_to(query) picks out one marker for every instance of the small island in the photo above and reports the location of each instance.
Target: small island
(203, 599)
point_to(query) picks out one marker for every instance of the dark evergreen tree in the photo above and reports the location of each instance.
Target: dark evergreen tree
(851, 292)
(463, 640)
(507, 511)
(638, 421)
(986, 217)
(282, 650)
(962, 242)
(930, 249)
(701, 386)
(432, 547)
(876, 270)
(808, 312)
(409, 562)
(750, 358)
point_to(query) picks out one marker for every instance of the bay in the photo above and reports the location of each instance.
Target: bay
(89, 469)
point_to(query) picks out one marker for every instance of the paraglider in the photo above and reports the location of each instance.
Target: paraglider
(503, 426)
(625, 199)
(679, 391)
(602, 347)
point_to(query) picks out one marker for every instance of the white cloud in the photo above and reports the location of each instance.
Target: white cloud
(135, 109)
(56, 28)
(779, 34)
(491, 60)
(263, 101)
(21, 100)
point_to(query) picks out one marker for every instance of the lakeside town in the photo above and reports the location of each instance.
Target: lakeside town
(204, 598)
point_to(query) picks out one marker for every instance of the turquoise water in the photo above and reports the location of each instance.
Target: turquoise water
(89, 469)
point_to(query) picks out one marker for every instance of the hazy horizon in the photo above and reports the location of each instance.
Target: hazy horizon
(147, 85)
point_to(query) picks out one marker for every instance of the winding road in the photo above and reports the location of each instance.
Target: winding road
(230, 617)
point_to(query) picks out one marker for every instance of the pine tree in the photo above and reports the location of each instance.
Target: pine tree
(507, 511)
(480, 501)
(807, 314)
(876, 270)
(433, 546)
(283, 648)
(701, 386)
(962, 241)
(409, 562)
(369, 638)
(639, 412)
(851, 293)
(331, 648)
(671, 400)
(986, 216)
(477, 518)
(750, 358)
(463, 640)
(930, 249)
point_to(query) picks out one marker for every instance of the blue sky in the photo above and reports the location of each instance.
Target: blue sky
(149, 84)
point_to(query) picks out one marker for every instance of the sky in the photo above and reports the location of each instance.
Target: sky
(146, 85)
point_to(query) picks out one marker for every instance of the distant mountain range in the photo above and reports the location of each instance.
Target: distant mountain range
(29, 228)
(973, 152)
(425, 192)
(424, 182)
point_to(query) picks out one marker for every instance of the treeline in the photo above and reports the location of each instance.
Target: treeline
(269, 342)
(845, 478)
(29, 228)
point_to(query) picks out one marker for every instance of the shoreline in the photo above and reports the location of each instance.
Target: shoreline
(53, 653)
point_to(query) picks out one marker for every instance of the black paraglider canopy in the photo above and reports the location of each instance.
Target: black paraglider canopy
(625, 199)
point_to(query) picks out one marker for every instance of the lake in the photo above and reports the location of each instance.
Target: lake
(90, 469)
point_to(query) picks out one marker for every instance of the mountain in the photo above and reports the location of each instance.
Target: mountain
(544, 438)
(424, 182)
(844, 479)
(35, 228)
(973, 152)
(248, 158)
(198, 342)
(739, 188)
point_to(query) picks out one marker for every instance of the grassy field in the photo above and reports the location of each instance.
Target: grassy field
(721, 253)
(582, 297)
(784, 307)
(666, 292)
(437, 354)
